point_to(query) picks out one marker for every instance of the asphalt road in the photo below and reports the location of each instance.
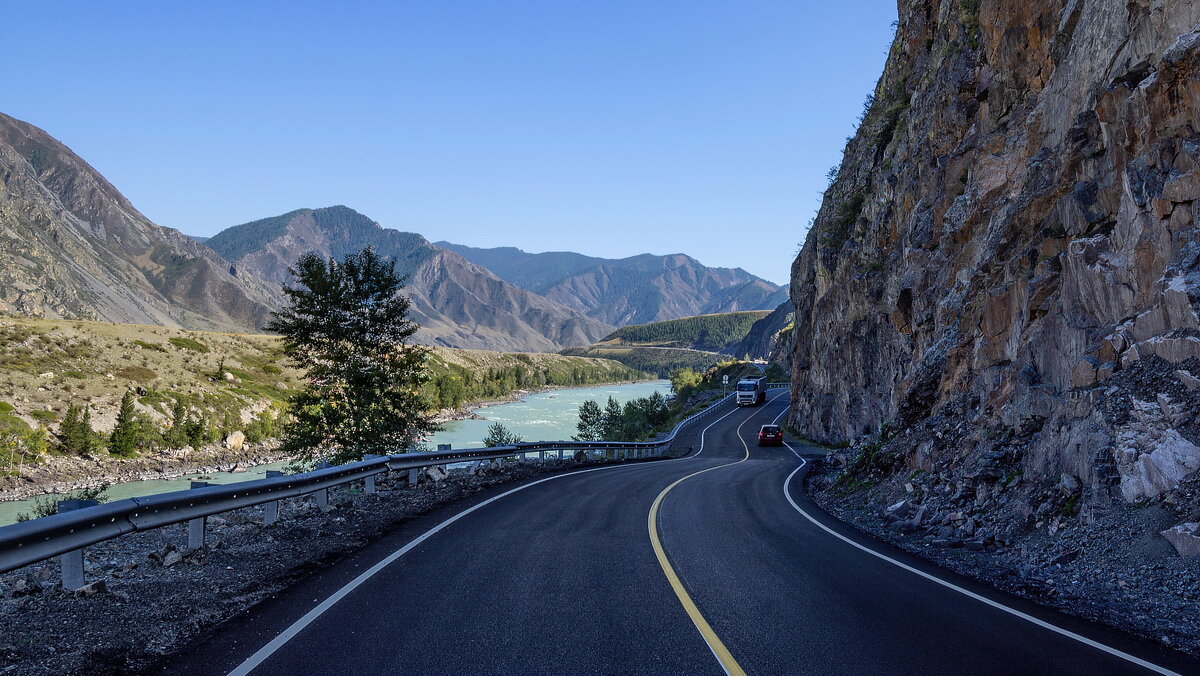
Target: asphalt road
(564, 576)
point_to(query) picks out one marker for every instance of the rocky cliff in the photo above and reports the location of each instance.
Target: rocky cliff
(997, 302)
(71, 246)
(635, 290)
(1011, 242)
(457, 303)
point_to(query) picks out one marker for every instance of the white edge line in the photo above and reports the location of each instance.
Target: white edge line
(252, 662)
(966, 592)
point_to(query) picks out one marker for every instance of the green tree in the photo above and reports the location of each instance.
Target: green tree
(499, 435)
(591, 422)
(75, 434)
(124, 438)
(613, 423)
(347, 324)
(177, 436)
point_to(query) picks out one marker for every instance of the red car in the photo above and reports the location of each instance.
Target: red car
(770, 435)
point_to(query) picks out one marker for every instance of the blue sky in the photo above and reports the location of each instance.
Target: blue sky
(608, 128)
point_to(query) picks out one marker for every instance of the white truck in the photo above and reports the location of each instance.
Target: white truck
(751, 391)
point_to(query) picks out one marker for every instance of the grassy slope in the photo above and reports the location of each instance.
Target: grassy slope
(712, 333)
(46, 365)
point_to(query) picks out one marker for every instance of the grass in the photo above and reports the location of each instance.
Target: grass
(157, 347)
(189, 344)
(56, 363)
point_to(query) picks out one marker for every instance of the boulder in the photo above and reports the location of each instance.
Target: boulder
(898, 510)
(92, 588)
(1189, 381)
(171, 559)
(1148, 475)
(435, 473)
(1185, 537)
(235, 441)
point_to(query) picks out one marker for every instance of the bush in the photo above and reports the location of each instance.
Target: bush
(47, 505)
(189, 344)
(140, 374)
(150, 346)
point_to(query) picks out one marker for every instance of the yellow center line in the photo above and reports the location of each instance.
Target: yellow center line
(718, 648)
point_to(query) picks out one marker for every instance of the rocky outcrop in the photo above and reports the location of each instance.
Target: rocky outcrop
(457, 303)
(770, 338)
(634, 290)
(1010, 251)
(72, 247)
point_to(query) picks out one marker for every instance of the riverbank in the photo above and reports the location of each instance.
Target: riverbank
(61, 474)
(57, 474)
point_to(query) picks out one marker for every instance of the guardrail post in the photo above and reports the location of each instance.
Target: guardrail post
(71, 563)
(271, 509)
(412, 477)
(542, 457)
(196, 526)
(321, 497)
(369, 481)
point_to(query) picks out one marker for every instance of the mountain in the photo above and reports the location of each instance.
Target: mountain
(635, 290)
(457, 303)
(71, 246)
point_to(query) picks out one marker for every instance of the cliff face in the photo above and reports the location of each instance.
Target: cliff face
(1003, 275)
(71, 246)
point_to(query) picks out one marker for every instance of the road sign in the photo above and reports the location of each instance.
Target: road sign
(725, 379)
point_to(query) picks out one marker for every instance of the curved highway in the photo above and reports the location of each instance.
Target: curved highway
(712, 563)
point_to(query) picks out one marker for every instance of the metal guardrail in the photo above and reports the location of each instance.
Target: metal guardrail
(67, 533)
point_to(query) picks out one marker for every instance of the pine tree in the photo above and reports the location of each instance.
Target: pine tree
(347, 324)
(75, 435)
(499, 435)
(87, 436)
(591, 422)
(613, 425)
(123, 440)
(177, 436)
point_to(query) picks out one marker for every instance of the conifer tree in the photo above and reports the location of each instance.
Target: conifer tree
(591, 422)
(123, 440)
(347, 325)
(499, 435)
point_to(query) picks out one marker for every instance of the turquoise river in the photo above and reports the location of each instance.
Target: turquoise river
(547, 416)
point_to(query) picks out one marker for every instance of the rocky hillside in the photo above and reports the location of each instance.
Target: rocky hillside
(72, 246)
(634, 290)
(997, 299)
(457, 303)
(769, 338)
(229, 383)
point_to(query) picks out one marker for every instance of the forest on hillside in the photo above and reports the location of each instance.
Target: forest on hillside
(712, 333)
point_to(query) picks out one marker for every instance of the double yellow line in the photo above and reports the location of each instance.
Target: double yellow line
(714, 642)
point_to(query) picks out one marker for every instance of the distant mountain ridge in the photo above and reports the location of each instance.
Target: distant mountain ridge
(457, 303)
(635, 290)
(72, 247)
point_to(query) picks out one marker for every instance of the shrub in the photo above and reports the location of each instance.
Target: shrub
(157, 347)
(140, 374)
(47, 505)
(189, 344)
